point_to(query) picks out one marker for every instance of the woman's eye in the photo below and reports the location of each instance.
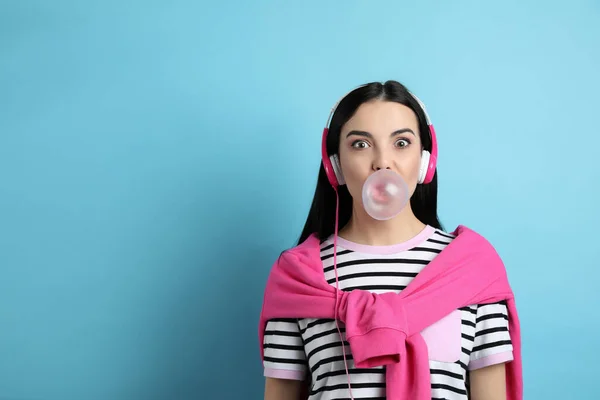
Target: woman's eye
(402, 143)
(360, 144)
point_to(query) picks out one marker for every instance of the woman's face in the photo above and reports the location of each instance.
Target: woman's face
(380, 135)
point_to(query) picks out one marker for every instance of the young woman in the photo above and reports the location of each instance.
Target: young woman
(382, 126)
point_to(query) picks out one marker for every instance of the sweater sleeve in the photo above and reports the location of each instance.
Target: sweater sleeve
(492, 344)
(284, 354)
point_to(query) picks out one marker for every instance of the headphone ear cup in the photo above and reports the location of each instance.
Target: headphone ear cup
(337, 169)
(425, 156)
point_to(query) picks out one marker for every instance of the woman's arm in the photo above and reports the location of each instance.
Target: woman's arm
(488, 383)
(285, 389)
(286, 368)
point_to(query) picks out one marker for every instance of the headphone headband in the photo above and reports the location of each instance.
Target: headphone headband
(335, 106)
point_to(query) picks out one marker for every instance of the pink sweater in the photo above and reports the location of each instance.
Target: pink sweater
(384, 330)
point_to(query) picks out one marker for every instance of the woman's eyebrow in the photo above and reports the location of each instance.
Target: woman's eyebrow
(370, 136)
(359, 133)
(403, 130)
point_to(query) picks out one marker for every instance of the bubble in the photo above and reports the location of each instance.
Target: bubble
(384, 194)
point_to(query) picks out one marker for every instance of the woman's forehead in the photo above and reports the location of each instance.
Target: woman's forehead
(382, 115)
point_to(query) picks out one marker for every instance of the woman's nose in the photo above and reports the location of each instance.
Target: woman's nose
(381, 162)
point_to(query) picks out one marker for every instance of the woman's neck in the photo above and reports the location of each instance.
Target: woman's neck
(363, 229)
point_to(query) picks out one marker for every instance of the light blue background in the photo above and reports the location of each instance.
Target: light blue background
(155, 158)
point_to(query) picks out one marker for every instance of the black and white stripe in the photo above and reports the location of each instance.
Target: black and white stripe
(313, 345)
(283, 346)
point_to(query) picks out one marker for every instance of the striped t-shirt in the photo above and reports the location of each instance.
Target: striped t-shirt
(469, 338)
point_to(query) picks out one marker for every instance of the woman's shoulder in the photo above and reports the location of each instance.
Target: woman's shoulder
(305, 247)
(468, 234)
(305, 252)
(440, 233)
(470, 242)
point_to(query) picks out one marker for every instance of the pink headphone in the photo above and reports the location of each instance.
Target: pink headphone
(332, 163)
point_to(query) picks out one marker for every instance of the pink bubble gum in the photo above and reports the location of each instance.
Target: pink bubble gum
(384, 194)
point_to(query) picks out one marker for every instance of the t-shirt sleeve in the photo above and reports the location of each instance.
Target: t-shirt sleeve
(284, 355)
(492, 344)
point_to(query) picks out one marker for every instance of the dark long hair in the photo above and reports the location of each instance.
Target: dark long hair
(321, 217)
